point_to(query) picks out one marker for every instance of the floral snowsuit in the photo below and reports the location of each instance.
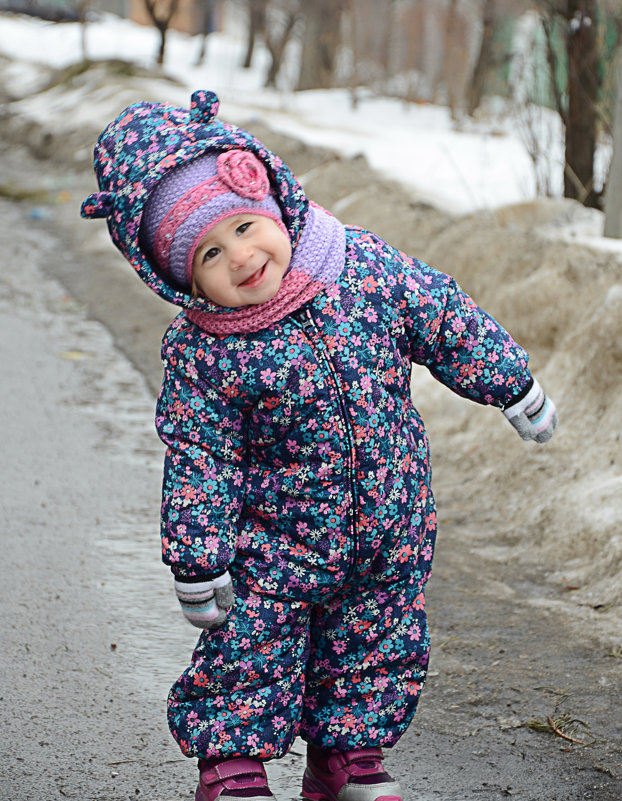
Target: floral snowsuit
(297, 460)
(296, 455)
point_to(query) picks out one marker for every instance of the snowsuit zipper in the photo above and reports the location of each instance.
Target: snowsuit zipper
(305, 320)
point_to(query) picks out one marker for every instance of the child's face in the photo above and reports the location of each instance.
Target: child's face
(241, 261)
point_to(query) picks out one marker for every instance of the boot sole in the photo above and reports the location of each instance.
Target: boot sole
(323, 797)
(314, 791)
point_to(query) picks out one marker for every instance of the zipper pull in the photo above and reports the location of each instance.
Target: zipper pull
(305, 319)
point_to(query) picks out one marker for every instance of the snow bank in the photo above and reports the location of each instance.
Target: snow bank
(552, 511)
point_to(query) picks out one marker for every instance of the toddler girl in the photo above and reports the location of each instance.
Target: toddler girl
(297, 514)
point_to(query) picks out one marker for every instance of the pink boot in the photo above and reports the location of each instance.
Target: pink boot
(233, 779)
(348, 776)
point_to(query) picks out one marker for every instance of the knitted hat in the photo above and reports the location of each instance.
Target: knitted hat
(196, 196)
(145, 144)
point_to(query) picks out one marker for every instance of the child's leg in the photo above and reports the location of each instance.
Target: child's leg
(242, 694)
(366, 668)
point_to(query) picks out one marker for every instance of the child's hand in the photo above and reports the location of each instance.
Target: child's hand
(205, 601)
(534, 415)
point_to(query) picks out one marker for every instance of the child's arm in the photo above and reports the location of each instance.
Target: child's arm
(471, 353)
(202, 489)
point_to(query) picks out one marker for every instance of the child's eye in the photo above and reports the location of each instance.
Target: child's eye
(242, 228)
(210, 254)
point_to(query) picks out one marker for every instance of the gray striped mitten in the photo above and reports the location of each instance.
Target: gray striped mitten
(205, 601)
(532, 414)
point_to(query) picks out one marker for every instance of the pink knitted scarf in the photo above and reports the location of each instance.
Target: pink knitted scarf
(317, 263)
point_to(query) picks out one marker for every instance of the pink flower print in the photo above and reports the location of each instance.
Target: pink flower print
(323, 448)
(381, 682)
(245, 712)
(242, 172)
(324, 471)
(268, 376)
(200, 679)
(404, 553)
(211, 543)
(370, 284)
(349, 722)
(306, 388)
(303, 530)
(366, 383)
(412, 283)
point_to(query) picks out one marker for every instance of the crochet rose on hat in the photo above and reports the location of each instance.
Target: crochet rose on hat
(243, 173)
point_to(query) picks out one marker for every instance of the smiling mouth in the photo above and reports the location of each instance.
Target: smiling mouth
(255, 279)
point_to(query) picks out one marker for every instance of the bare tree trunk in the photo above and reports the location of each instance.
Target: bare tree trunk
(385, 33)
(319, 48)
(207, 9)
(583, 65)
(82, 9)
(552, 61)
(276, 44)
(449, 64)
(484, 58)
(352, 43)
(256, 26)
(613, 197)
(161, 14)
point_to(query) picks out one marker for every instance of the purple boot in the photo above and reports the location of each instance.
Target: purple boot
(233, 779)
(348, 776)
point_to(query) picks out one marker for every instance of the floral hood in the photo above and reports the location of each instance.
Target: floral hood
(145, 142)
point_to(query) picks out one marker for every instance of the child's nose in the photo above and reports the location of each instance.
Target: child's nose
(240, 254)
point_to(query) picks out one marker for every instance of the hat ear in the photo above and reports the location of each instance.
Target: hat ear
(99, 204)
(203, 106)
